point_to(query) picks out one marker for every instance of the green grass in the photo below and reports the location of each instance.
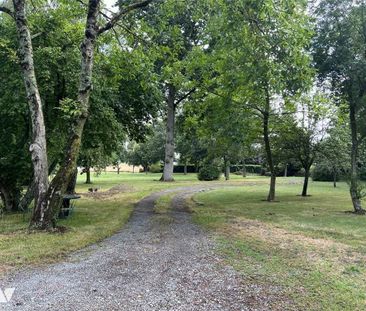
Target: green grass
(309, 246)
(92, 220)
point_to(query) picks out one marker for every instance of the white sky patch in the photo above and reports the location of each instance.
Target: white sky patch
(110, 4)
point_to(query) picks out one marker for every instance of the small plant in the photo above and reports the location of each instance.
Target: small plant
(209, 172)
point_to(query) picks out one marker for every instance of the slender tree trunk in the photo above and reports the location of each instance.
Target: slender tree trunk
(38, 148)
(244, 169)
(334, 177)
(118, 169)
(285, 173)
(169, 144)
(59, 184)
(88, 179)
(306, 182)
(9, 196)
(354, 184)
(227, 169)
(27, 197)
(185, 169)
(272, 188)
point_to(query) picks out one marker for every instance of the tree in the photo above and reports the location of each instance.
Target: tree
(306, 129)
(176, 28)
(339, 53)
(263, 59)
(48, 198)
(150, 151)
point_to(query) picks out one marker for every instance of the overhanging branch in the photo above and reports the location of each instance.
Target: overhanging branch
(7, 11)
(185, 96)
(113, 21)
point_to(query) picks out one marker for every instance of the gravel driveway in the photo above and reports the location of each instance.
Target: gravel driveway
(149, 265)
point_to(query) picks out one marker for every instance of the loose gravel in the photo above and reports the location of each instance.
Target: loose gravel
(154, 263)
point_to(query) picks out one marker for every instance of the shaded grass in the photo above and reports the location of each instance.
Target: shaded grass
(308, 246)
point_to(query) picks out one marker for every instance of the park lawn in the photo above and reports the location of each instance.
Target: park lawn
(95, 218)
(309, 247)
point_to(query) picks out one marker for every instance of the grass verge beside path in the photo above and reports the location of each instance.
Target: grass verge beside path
(95, 218)
(309, 246)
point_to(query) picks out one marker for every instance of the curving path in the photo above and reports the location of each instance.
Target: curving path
(149, 265)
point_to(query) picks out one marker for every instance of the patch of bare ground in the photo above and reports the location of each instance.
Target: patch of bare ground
(102, 195)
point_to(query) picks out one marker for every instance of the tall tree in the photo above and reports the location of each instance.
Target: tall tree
(49, 197)
(264, 59)
(176, 28)
(339, 52)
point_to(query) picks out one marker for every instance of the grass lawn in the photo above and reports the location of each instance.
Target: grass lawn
(94, 219)
(308, 246)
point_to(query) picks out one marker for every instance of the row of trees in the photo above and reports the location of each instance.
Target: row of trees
(238, 78)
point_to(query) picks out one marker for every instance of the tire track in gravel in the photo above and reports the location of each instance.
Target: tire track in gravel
(148, 265)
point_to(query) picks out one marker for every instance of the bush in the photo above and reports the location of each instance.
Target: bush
(155, 168)
(251, 169)
(209, 172)
(323, 172)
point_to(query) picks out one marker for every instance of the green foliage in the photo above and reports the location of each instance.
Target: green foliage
(209, 172)
(322, 172)
(155, 168)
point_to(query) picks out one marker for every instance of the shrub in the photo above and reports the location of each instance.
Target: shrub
(322, 172)
(155, 168)
(209, 172)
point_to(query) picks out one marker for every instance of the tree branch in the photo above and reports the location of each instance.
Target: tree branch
(185, 96)
(7, 11)
(122, 13)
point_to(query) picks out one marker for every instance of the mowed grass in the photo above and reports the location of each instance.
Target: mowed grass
(309, 247)
(94, 219)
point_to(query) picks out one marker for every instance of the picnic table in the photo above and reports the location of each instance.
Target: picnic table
(68, 205)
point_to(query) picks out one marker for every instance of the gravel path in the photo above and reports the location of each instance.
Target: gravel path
(149, 265)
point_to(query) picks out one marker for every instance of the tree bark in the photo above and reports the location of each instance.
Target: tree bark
(285, 173)
(354, 184)
(87, 173)
(27, 197)
(72, 184)
(227, 170)
(272, 188)
(334, 178)
(10, 197)
(38, 148)
(185, 169)
(306, 182)
(60, 182)
(244, 169)
(169, 143)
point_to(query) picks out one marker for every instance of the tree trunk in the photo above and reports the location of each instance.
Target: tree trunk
(334, 178)
(169, 143)
(118, 169)
(27, 197)
(59, 184)
(244, 170)
(72, 184)
(272, 189)
(185, 169)
(306, 182)
(354, 184)
(227, 170)
(88, 179)
(38, 147)
(285, 173)
(9, 196)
